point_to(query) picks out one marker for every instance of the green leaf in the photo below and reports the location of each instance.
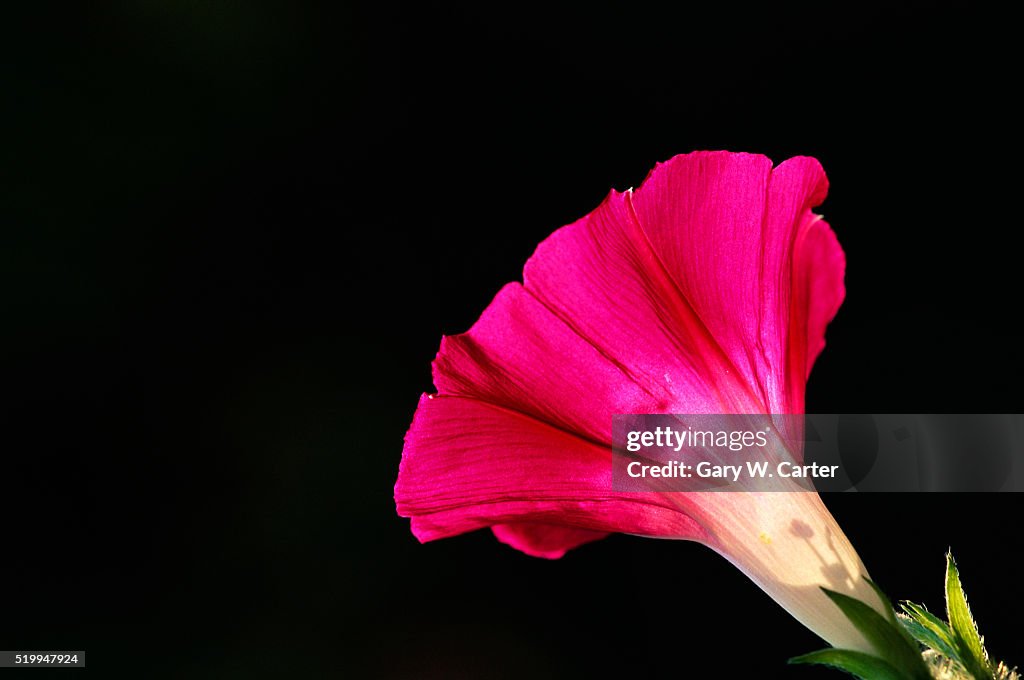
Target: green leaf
(858, 664)
(929, 630)
(887, 640)
(965, 631)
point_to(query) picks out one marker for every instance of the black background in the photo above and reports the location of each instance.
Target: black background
(233, 235)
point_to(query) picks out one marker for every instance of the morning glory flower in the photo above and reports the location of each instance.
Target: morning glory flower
(705, 290)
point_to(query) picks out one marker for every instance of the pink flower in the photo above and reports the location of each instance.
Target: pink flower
(706, 290)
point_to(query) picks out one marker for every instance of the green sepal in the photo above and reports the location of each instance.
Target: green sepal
(929, 630)
(889, 641)
(890, 612)
(858, 664)
(965, 632)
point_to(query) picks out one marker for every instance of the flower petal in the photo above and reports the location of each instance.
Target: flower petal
(819, 265)
(522, 356)
(550, 541)
(601, 277)
(724, 226)
(468, 464)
